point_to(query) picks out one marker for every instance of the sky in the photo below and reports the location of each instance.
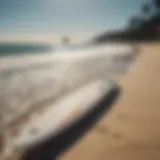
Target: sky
(76, 18)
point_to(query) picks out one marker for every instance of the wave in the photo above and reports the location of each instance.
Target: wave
(23, 48)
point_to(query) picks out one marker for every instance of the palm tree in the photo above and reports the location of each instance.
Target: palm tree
(135, 22)
(157, 3)
(146, 8)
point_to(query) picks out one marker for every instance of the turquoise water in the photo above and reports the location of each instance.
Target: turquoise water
(23, 48)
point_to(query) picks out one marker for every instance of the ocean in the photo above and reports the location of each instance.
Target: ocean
(24, 48)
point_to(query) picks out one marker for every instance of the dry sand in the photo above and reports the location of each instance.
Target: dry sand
(131, 130)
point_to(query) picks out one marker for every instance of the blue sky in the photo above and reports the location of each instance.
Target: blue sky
(65, 16)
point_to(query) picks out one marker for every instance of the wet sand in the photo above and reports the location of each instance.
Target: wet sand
(131, 130)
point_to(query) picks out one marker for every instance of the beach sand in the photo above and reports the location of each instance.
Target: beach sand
(131, 130)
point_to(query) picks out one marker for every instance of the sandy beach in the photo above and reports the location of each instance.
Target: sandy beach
(130, 131)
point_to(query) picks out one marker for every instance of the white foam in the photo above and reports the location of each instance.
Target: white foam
(28, 80)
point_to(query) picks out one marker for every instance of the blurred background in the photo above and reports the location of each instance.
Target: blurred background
(131, 129)
(76, 22)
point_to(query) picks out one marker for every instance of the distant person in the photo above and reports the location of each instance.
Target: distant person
(65, 41)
